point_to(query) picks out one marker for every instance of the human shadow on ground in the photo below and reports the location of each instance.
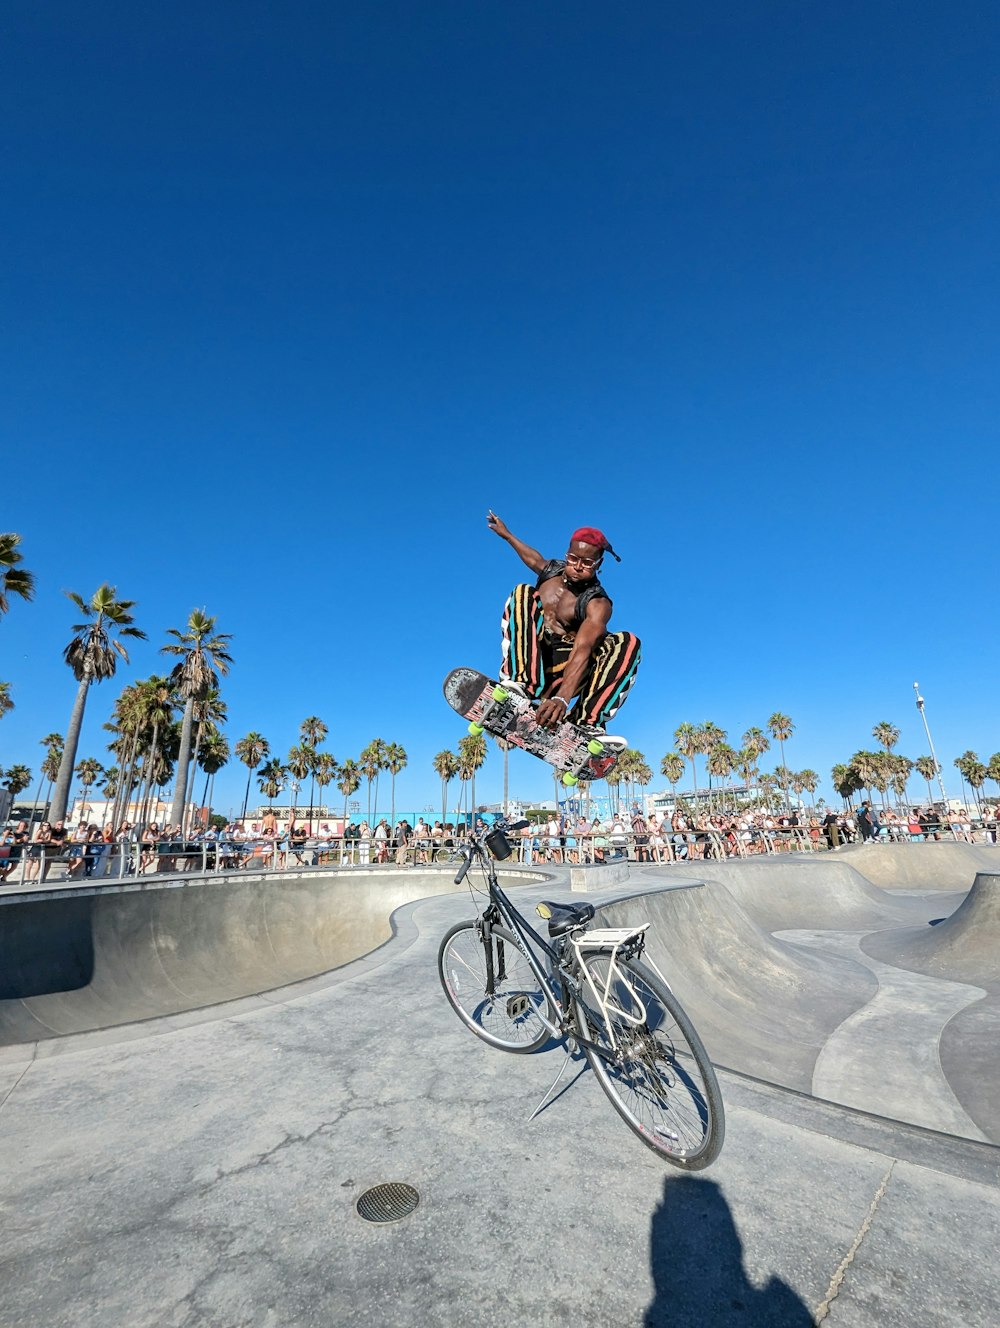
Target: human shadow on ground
(696, 1258)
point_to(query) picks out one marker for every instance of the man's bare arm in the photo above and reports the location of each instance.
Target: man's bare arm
(529, 556)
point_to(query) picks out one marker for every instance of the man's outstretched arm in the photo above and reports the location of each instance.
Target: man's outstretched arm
(529, 556)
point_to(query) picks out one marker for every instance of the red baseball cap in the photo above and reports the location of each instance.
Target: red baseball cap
(597, 538)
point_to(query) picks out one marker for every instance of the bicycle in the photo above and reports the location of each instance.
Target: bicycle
(593, 990)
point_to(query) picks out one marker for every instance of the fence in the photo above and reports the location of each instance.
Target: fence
(36, 864)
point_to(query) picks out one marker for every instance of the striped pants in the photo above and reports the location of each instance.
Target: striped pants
(536, 660)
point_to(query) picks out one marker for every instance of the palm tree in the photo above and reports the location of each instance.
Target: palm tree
(975, 773)
(446, 766)
(886, 735)
(271, 778)
(963, 764)
(709, 737)
(251, 750)
(203, 656)
(882, 763)
(16, 779)
(687, 742)
(128, 724)
(614, 779)
(159, 764)
(86, 772)
(300, 763)
(746, 765)
(471, 755)
(14, 580)
(992, 768)
(325, 770)
(50, 766)
(672, 768)
(756, 742)
(641, 773)
(721, 762)
(210, 711)
(93, 655)
(372, 761)
(6, 704)
(312, 731)
(50, 741)
(395, 761)
(842, 780)
(899, 775)
(782, 729)
(926, 768)
(809, 780)
(154, 704)
(141, 713)
(349, 780)
(865, 766)
(214, 755)
(110, 781)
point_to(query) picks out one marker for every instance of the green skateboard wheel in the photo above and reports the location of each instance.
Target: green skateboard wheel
(595, 747)
(475, 729)
(570, 779)
(500, 694)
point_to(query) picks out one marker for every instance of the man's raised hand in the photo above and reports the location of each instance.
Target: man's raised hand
(496, 525)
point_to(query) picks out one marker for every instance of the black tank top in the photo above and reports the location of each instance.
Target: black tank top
(594, 590)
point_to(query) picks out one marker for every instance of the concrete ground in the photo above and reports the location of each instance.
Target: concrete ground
(203, 1168)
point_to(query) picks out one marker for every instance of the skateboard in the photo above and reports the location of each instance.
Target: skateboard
(491, 708)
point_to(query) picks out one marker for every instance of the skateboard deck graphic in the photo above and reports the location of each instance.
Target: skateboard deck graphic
(492, 709)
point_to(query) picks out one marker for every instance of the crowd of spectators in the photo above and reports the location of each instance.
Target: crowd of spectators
(89, 850)
(687, 837)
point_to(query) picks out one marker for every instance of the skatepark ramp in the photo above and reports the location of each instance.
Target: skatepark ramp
(964, 946)
(74, 962)
(761, 1005)
(945, 865)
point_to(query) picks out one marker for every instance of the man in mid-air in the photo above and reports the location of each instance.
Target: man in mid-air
(556, 643)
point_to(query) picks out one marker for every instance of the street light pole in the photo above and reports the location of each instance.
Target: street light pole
(930, 743)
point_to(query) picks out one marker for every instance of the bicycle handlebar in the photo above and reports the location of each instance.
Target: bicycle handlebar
(477, 843)
(460, 877)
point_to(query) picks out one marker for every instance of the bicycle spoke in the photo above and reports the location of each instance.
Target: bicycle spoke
(653, 1067)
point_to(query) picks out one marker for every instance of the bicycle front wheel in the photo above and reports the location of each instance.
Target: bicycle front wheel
(492, 988)
(651, 1062)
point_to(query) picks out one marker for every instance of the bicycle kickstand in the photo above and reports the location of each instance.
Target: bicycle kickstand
(552, 1087)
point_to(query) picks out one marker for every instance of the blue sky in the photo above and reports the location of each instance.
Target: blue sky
(294, 293)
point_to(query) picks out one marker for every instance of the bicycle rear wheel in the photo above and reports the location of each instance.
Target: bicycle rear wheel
(656, 1072)
(504, 1014)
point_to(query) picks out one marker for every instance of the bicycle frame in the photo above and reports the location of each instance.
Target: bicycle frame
(610, 942)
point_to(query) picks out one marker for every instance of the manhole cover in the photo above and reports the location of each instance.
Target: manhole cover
(387, 1203)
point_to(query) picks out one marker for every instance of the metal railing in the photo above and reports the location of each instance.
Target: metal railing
(38, 864)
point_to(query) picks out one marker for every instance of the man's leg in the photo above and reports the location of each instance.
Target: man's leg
(522, 659)
(609, 679)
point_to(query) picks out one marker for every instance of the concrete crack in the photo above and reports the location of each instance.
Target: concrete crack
(6, 1097)
(833, 1290)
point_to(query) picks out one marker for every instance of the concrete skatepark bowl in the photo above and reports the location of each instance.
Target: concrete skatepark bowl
(199, 1077)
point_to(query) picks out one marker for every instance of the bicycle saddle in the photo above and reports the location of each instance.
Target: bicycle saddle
(564, 917)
